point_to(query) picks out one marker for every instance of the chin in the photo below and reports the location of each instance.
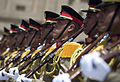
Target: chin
(102, 28)
(54, 36)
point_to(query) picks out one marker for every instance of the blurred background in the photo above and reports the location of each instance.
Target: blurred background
(12, 11)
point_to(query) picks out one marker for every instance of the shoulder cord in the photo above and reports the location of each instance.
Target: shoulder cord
(54, 64)
(34, 64)
(13, 54)
(7, 53)
(75, 55)
(80, 50)
(26, 69)
(24, 54)
(3, 54)
(38, 73)
(30, 65)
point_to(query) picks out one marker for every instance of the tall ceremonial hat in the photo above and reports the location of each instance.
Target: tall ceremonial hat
(34, 25)
(70, 14)
(6, 31)
(24, 25)
(108, 2)
(92, 4)
(50, 17)
(14, 29)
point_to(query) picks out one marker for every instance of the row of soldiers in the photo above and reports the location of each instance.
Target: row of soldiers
(41, 52)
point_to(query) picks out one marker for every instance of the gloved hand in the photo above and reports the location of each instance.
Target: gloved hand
(62, 78)
(14, 73)
(3, 75)
(22, 78)
(94, 67)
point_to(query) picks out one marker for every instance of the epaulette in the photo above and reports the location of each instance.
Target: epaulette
(69, 48)
(25, 53)
(50, 49)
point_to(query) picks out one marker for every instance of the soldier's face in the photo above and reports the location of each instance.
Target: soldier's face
(89, 23)
(36, 39)
(45, 30)
(59, 26)
(104, 19)
(50, 36)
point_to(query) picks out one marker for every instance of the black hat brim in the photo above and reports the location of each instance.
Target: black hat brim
(89, 11)
(61, 18)
(46, 23)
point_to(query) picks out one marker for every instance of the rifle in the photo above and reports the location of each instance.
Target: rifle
(90, 47)
(33, 58)
(41, 51)
(109, 56)
(51, 54)
(25, 58)
(40, 47)
(19, 53)
(13, 45)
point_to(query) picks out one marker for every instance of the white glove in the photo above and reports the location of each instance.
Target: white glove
(4, 75)
(94, 67)
(62, 78)
(14, 73)
(22, 78)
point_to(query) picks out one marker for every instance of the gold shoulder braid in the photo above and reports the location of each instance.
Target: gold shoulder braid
(65, 52)
(13, 55)
(78, 51)
(36, 62)
(22, 56)
(69, 48)
(54, 64)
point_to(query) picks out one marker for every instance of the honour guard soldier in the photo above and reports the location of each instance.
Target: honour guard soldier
(47, 38)
(49, 21)
(67, 24)
(89, 26)
(108, 21)
(92, 65)
(4, 39)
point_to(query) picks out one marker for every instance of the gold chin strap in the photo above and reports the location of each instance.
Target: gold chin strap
(13, 32)
(34, 28)
(110, 0)
(23, 29)
(51, 21)
(92, 8)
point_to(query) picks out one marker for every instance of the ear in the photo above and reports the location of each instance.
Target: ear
(71, 27)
